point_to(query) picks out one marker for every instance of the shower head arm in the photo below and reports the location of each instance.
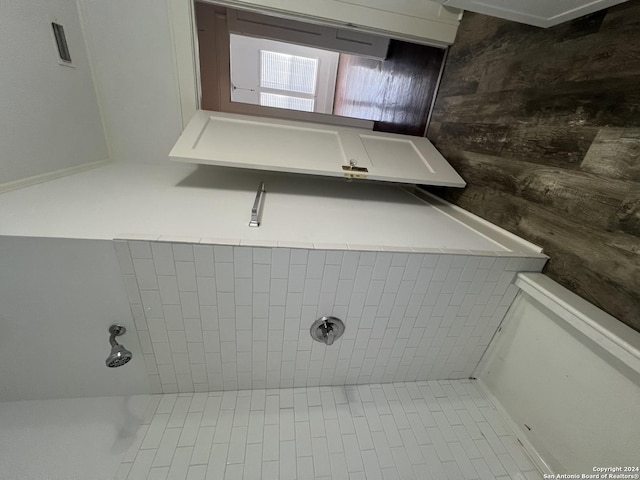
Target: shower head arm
(116, 331)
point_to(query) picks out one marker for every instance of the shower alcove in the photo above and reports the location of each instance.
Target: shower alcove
(220, 315)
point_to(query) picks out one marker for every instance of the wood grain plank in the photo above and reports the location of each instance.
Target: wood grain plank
(544, 125)
(575, 194)
(477, 137)
(622, 18)
(560, 146)
(553, 145)
(627, 218)
(615, 153)
(590, 103)
(584, 259)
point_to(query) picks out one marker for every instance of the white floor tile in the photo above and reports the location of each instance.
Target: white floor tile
(142, 465)
(419, 430)
(217, 461)
(202, 447)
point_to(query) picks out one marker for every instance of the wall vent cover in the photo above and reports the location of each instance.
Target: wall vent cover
(61, 42)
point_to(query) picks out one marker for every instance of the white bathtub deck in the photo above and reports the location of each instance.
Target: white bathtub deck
(186, 202)
(420, 430)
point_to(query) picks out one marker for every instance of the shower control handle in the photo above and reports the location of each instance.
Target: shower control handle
(327, 330)
(328, 334)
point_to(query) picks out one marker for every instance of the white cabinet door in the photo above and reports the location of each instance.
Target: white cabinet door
(540, 13)
(244, 141)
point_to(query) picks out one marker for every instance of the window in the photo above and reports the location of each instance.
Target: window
(284, 75)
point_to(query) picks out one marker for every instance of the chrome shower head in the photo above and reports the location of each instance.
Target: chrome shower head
(119, 355)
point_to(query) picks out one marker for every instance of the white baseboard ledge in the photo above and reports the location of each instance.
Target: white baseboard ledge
(45, 177)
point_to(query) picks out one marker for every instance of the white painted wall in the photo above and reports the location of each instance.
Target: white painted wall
(49, 115)
(130, 45)
(69, 439)
(58, 298)
(570, 373)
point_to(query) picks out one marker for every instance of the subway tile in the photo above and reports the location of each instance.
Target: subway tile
(305, 468)
(123, 471)
(155, 431)
(237, 445)
(371, 465)
(261, 256)
(395, 305)
(186, 276)
(190, 429)
(338, 463)
(223, 427)
(180, 465)
(382, 449)
(271, 447)
(316, 264)
(376, 446)
(223, 253)
(353, 453)
(225, 279)
(168, 286)
(179, 412)
(320, 454)
(280, 262)
(167, 447)
(206, 290)
(411, 446)
(288, 462)
(261, 278)
(140, 249)
(183, 252)
(242, 262)
(405, 470)
(189, 302)
(151, 303)
(217, 461)
(299, 255)
(142, 465)
(270, 470)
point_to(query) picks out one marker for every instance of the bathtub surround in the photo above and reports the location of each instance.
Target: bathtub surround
(224, 317)
(579, 352)
(445, 429)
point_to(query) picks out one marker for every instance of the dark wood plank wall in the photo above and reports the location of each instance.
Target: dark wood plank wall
(544, 125)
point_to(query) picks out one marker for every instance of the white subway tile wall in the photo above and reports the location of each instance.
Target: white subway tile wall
(225, 317)
(416, 430)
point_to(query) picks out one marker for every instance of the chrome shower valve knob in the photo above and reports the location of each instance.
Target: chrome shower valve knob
(327, 330)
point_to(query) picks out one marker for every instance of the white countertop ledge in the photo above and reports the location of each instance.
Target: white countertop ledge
(204, 203)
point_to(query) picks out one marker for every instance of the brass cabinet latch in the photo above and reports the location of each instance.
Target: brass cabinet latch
(352, 167)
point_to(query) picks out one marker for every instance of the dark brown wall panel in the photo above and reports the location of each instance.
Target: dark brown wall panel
(544, 125)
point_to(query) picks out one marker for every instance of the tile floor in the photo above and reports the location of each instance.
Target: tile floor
(418, 430)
